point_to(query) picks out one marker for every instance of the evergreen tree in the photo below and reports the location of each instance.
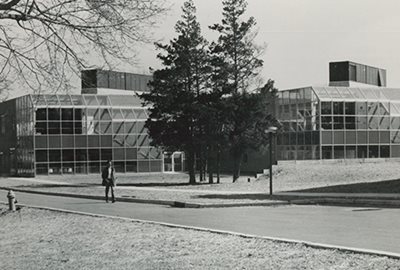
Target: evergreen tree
(236, 48)
(235, 65)
(248, 116)
(176, 90)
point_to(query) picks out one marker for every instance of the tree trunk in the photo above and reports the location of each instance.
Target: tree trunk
(218, 165)
(210, 167)
(191, 168)
(201, 163)
(237, 162)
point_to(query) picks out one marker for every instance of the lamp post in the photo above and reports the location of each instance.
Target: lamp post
(271, 131)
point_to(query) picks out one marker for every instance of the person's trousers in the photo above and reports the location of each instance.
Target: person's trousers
(108, 187)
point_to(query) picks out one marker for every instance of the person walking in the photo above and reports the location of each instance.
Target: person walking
(108, 176)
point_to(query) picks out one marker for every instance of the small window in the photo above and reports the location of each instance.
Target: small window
(352, 73)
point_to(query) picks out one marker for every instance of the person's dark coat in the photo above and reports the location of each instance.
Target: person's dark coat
(108, 181)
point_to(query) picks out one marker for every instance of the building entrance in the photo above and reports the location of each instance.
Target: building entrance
(173, 162)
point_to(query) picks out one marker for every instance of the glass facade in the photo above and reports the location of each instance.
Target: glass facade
(339, 123)
(66, 134)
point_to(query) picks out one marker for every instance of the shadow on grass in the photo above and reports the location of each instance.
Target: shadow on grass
(255, 196)
(159, 184)
(388, 186)
(55, 186)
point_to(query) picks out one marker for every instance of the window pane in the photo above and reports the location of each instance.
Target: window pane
(143, 166)
(41, 156)
(54, 155)
(338, 122)
(117, 114)
(105, 115)
(105, 127)
(106, 141)
(41, 114)
(395, 150)
(54, 114)
(338, 137)
(362, 151)
(373, 108)
(326, 122)
(54, 141)
(106, 154)
(68, 155)
(79, 114)
(67, 141)
(338, 152)
(81, 154)
(362, 122)
(156, 166)
(119, 166)
(326, 152)
(351, 137)
(67, 127)
(94, 141)
(361, 108)
(326, 137)
(41, 128)
(41, 142)
(80, 141)
(94, 154)
(350, 123)
(395, 136)
(373, 122)
(118, 154)
(118, 140)
(118, 127)
(67, 114)
(373, 151)
(350, 108)
(337, 107)
(131, 153)
(131, 166)
(128, 114)
(384, 137)
(385, 123)
(351, 152)
(373, 137)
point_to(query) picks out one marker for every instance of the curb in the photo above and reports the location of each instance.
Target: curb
(277, 200)
(274, 239)
(347, 202)
(177, 204)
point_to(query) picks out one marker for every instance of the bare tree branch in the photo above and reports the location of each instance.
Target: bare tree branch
(43, 42)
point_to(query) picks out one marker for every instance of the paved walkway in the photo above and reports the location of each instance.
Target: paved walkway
(363, 228)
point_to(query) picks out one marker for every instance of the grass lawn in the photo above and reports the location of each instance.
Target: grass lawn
(391, 186)
(41, 239)
(353, 177)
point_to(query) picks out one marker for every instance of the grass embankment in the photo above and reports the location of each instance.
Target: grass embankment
(41, 239)
(378, 177)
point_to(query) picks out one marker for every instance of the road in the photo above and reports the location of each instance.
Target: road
(365, 228)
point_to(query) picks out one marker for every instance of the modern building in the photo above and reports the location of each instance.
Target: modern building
(67, 134)
(356, 116)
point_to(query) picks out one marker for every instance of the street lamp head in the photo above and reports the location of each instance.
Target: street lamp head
(271, 129)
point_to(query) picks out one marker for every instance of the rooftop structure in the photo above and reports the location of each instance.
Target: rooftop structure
(352, 74)
(340, 122)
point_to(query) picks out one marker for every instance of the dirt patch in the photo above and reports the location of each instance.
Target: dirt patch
(41, 239)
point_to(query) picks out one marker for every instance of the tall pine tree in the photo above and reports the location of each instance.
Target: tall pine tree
(176, 89)
(236, 65)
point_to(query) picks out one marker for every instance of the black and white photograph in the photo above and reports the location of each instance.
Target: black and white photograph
(199, 134)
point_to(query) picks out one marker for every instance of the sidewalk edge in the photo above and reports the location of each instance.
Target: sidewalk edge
(276, 239)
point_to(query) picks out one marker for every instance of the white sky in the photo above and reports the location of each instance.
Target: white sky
(303, 36)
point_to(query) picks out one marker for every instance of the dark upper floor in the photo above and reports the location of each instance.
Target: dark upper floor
(347, 71)
(97, 78)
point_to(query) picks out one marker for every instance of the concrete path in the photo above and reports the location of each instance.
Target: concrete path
(362, 228)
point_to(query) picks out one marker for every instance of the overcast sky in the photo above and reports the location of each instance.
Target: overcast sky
(303, 36)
